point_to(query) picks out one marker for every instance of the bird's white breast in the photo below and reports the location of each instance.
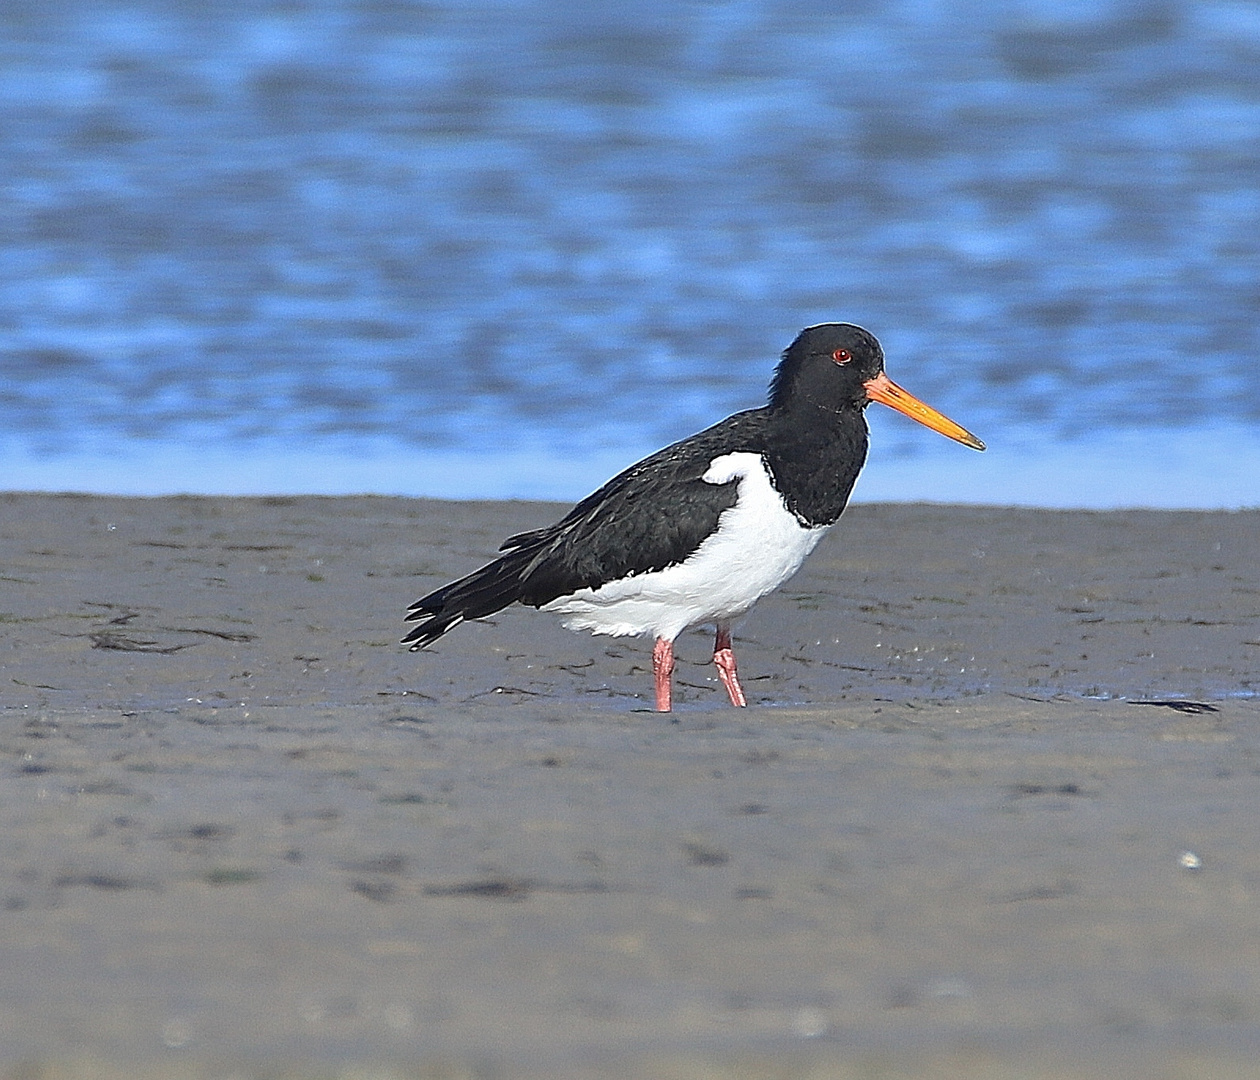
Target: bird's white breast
(758, 545)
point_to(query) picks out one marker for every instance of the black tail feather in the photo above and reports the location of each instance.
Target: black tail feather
(481, 593)
(424, 635)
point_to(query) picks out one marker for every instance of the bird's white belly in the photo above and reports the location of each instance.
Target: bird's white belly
(758, 545)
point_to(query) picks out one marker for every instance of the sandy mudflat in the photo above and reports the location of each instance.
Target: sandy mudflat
(245, 833)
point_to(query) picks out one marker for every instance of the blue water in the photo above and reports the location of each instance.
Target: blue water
(489, 248)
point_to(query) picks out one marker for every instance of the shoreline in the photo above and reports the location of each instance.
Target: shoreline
(1181, 468)
(246, 829)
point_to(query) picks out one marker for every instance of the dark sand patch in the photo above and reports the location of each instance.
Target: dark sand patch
(263, 839)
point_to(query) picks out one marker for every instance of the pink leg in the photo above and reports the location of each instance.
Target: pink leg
(724, 658)
(662, 669)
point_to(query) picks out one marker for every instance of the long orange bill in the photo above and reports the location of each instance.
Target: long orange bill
(886, 392)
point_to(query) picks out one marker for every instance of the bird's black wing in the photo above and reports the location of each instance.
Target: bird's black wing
(652, 515)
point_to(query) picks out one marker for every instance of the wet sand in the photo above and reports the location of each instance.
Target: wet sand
(246, 833)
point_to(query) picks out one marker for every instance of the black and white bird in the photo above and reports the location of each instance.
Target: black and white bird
(696, 533)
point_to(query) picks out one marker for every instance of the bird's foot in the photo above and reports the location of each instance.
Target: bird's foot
(662, 671)
(725, 661)
(724, 658)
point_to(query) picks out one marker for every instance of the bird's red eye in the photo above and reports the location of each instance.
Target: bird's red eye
(842, 356)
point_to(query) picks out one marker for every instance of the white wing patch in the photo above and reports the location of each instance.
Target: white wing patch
(758, 545)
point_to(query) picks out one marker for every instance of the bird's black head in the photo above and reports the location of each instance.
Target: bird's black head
(827, 366)
(839, 368)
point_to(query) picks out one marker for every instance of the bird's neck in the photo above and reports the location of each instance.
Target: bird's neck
(814, 459)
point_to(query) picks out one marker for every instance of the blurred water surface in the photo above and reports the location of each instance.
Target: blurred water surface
(519, 234)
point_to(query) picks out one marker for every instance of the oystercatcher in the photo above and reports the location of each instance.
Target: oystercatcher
(696, 533)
